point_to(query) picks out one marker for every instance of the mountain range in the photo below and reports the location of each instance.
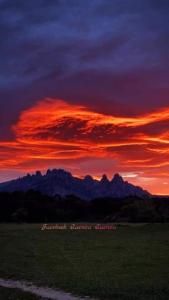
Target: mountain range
(61, 182)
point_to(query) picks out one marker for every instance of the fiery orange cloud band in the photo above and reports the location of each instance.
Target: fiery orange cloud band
(54, 131)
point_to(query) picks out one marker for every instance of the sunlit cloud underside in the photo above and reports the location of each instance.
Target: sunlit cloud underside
(54, 133)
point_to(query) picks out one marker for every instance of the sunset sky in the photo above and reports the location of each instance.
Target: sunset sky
(84, 86)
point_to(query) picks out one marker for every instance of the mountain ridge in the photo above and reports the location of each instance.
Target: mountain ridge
(61, 182)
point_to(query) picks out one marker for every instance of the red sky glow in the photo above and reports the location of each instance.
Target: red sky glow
(55, 133)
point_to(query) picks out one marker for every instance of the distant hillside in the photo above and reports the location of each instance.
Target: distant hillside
(60, 182)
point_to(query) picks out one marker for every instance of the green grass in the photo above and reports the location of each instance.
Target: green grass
(130, 263)
(14, 294)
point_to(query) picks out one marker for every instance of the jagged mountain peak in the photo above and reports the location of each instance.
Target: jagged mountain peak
(61, 182)
(104, 179)
(117, 179)
(38, 174)
(88, 178)
(58, 172)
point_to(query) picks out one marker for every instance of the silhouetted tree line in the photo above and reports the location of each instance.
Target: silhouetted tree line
(33, 207)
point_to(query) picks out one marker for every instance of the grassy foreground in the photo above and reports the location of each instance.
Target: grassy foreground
(130, 263)
(11, 294)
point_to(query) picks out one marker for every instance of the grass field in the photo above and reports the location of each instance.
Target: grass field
(13, 294)
(130, 263)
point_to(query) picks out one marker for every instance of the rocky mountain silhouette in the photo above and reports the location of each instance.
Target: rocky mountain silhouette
(61, 182)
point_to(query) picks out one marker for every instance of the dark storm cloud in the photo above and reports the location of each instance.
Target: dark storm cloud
(109, 55)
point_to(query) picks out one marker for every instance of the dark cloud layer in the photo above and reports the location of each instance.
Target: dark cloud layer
(116, 52)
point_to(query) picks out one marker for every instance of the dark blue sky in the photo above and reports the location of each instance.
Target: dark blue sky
(115, 52)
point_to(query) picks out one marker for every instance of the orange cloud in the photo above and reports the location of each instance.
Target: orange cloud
(55, 132)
